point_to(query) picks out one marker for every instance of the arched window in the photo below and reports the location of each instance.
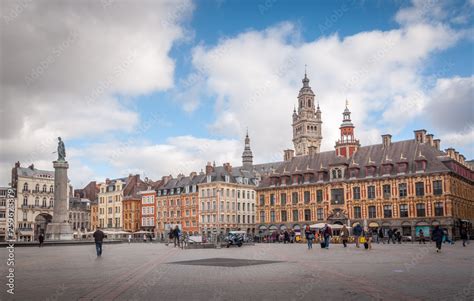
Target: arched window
(25, 187)
(44, 202)
(51, 189)
(51, 202)
(44, 188)
(37, 201)
(309, 103)
(37, 188)
(25, 200)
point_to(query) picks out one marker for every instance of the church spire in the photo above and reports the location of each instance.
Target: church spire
(247, 156)
(347, 144)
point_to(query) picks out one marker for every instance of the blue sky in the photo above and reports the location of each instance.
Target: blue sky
(204, 71)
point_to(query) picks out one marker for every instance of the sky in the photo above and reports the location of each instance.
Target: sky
(163, 87)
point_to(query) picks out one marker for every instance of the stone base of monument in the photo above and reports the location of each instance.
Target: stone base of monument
(59, 231)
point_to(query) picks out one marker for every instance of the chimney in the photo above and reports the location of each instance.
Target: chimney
(32, 166)
(420, 136)
(166, 179)
(288, 154)
(437, 143)
(192, 174)
(209, 168)
(429, 139)
(386, 140)
(312, 150)
(17, 164)
(228, 167)
(450, 152)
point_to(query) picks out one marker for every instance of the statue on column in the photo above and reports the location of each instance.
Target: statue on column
(61, 150)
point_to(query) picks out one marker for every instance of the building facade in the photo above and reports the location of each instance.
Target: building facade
(406, 185)
(80, 216)
(34, 201)
(3, 212)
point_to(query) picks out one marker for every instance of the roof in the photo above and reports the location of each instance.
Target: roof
(33, 172)
(408, 151)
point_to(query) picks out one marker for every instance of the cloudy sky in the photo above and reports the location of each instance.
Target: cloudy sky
(162, 87)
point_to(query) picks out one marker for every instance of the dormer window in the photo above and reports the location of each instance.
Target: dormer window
(208, 179)
(246, 181)
(402, 167)
(354, 172)
(420, 165)
(370, 171)
(337, 173)
(387, 169)
(227, 178)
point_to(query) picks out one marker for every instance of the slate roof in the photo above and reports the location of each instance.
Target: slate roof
(408, 151)
(28, 172)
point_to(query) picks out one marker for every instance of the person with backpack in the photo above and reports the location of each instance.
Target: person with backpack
(309, 237)
(327, 232)
(357, 233)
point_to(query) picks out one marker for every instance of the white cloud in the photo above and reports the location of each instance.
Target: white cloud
(64, 65)
(255, 78)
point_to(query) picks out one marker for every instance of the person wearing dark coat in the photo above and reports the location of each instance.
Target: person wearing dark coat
(464, 236)
(438, 237)
(98, 238)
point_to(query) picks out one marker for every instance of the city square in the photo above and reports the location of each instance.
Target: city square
(237, 150)
(144, 271)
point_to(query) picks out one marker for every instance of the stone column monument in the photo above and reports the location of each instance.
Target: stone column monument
(60, 229)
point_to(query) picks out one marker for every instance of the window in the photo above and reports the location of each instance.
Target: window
(386, 191)
(420, 210)
(44, 188)
(25, 201)
(294, 197)
(357, 212)
(43, 204)
(437, 187)
(272, 199)
(419, 189)
(403, 210)
(262, 200)
(320, 214)
(336, 173)
(295, 215)
(283, 199)
(306, 196)
(262, 216)
(272, 216)
(25, 187)
(110, 210)
(37, 200)
(284, 217)
(307, 214)
(371, 192)
(372, 212)
(319, 195)
(402, 190)
(439, 210)
(356, 193)
(387, 211)
(337, 196)
(51, 190)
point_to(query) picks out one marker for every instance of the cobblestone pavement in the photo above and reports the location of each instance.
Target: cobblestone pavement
(147, 272)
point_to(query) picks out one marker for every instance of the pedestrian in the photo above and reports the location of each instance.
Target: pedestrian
(344, 235)
(41, 240)
(287, 237)
(367, 239)
(390, 236)
(327, 235)
(381, 236)
(357, 232)
(176, 234)
(144, 238)
(437, 236)
(446, 237)
(98, 238)
(309, 237)
(464, 236)
(421, 234)
(129, 238)
(398, 236)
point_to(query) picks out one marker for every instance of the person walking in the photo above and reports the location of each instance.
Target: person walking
(129, 238)
(287, 237)
(98, 238)
(380, 238)
(446, 237)
(390, 236)
(344, 235)
(176, 234)
(464, 236)
(327, 235)
(41, 240)
(309, 237)
(421, 234)
(437, 236)
(357, 233)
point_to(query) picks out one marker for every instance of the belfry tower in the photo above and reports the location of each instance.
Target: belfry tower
(306, 122)
(347, 145)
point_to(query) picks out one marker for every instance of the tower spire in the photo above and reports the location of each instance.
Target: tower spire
(247, 156)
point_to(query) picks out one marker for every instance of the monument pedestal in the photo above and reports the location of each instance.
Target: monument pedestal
(60, 229)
